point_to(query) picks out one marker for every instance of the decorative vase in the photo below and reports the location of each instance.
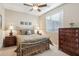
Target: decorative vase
(72, 25)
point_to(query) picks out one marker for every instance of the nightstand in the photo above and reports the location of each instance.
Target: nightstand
(10, 41)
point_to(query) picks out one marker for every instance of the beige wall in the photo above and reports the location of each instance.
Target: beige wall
(71, 14)
(14, 18)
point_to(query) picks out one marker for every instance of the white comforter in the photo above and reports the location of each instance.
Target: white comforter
(22, 38)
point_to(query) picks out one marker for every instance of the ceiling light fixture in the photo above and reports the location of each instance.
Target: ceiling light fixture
(35, 7)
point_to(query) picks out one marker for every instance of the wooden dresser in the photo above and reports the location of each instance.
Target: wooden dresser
(9, 41)
(69, 41)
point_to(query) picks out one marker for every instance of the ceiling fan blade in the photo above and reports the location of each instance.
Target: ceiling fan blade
(27, 5)
(44, 5)
(39, 10)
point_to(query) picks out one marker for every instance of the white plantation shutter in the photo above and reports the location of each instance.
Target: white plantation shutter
(54, 22)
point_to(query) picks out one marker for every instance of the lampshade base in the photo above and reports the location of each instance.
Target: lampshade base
(11, 34)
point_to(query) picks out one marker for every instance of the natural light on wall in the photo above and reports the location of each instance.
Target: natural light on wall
(53, 22)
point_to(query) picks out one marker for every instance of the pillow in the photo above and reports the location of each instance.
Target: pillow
(23, 32)
(32, 31)
(26, 32)
(29, 32)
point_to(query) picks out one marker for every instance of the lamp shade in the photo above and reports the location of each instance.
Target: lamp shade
(11, 27)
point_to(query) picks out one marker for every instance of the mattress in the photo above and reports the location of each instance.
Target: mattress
(31, 38)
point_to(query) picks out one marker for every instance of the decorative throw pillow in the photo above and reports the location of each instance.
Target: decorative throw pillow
(27, 32)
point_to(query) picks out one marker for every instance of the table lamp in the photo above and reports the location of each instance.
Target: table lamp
(11, 28)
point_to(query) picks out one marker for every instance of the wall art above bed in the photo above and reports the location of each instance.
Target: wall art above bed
(25, 23)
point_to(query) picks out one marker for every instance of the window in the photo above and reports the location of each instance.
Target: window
(54, 22)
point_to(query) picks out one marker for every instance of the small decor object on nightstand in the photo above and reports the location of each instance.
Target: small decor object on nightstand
(72, 25)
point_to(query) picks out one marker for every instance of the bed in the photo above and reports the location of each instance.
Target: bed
(32, 44)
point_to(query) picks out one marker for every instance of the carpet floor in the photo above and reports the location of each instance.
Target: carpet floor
(53, 51)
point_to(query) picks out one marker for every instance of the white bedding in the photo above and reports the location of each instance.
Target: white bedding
(22, 38)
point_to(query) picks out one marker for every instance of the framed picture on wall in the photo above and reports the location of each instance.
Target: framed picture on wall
(26, 23)
(30, 23)
(22, 23)
(0, 22)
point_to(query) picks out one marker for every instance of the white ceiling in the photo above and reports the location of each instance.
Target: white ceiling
(21, 8)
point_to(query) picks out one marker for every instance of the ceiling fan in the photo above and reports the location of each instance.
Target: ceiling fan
(36, 6)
